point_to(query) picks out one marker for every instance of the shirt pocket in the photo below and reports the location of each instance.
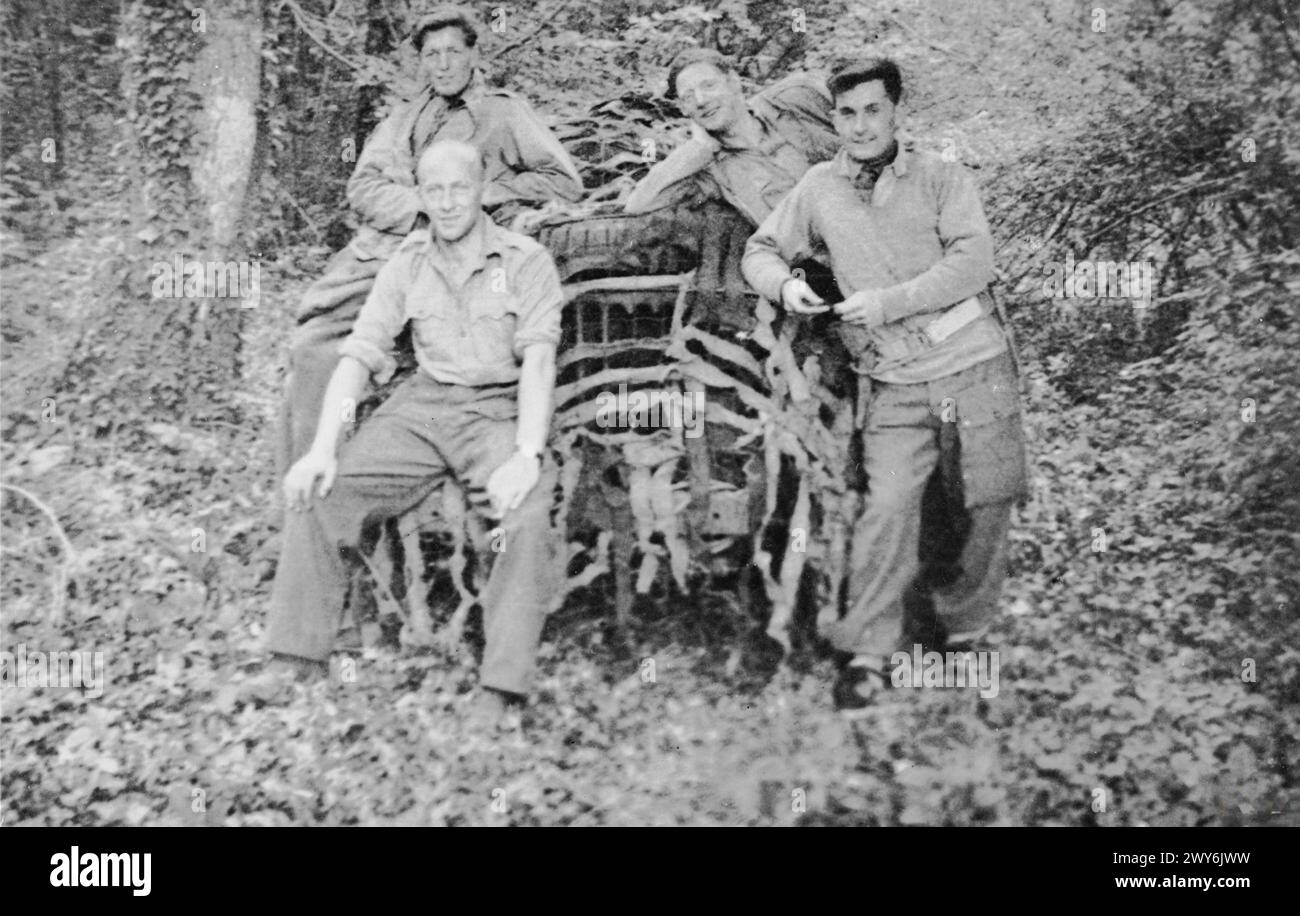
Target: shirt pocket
(433, 333)
(492, 324)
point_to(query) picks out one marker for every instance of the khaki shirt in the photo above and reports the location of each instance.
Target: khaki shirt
(795, 117)
(472, 333)
(525, 161)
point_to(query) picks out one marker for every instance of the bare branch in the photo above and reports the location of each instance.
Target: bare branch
(547, 20)
(301, 18)
(69, 554)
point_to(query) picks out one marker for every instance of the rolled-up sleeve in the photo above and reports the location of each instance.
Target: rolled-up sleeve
(541, 301)
(380, 321)
(785, 237)
(966, 266)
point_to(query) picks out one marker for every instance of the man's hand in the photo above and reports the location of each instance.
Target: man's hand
(798, 297)
(303, 477)
(511, 482)
(865, 308)
(706, 139)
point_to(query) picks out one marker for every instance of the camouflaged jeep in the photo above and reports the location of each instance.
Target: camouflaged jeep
(655, 303)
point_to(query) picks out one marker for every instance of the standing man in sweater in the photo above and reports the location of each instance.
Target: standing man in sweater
(909, 245)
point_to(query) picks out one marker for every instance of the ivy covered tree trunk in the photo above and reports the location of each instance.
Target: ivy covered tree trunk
(226, 77)
(168, 337)
(52, 29)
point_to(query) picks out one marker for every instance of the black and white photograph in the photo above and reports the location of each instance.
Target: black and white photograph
(734, 413)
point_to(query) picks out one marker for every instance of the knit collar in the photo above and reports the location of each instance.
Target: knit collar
(848, 167)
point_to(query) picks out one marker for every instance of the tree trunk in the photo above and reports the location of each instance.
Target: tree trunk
(227, 76)
(52, 42)
(166, 342)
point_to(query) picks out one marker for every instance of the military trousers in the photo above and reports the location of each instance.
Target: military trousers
(424, 435)
(967, 426)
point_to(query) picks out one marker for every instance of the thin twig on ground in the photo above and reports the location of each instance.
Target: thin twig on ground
(69, 554)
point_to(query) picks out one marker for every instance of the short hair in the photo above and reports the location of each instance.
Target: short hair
(462, 145)
(691, 56)
(847, 74)
(447, 16)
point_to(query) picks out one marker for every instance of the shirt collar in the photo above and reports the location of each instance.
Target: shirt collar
(495, 240)
(475, 91)
(766, 117)
(848, 167)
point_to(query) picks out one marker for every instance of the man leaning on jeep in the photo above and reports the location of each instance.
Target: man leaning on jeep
(748, 153)
(910, 246)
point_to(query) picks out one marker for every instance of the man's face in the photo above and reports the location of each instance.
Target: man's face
(864, 120)
(709, 97)
(446, 62)
(452, 190)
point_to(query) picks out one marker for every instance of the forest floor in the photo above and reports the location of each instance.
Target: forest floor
(1152, 682)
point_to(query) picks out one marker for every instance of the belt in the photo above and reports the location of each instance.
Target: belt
(936, 332)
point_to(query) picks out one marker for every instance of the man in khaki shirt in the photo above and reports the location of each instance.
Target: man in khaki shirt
(484, 306)
(907, 239)
(749, 153)
(526, 166)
